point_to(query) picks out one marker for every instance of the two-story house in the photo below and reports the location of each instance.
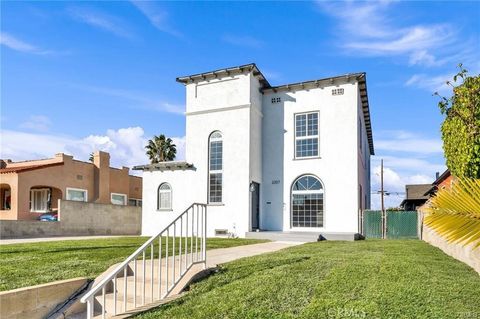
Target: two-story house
(294, 157)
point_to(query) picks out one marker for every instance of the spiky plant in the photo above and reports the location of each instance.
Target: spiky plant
(454, 213)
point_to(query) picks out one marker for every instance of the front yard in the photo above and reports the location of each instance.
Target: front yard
(365, 279)
(30, 264)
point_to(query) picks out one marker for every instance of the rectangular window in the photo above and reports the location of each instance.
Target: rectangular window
(165, 202)
(215, 188)
(215, 167)
(216, 155)
(306, 135)
(118, 199)
(307, 210)
(76, 194)
(39, 200)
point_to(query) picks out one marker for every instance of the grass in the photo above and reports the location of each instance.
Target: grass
(28, 264)
(365, 279)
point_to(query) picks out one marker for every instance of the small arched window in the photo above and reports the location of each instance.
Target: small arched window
(164, 197)
(307, 202)
(215, 167)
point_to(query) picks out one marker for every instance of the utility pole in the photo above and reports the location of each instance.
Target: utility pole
(381, 185)
(383, 202)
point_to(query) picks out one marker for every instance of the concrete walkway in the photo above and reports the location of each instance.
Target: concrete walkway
(215, 257)
(224, 255)
(45, 239)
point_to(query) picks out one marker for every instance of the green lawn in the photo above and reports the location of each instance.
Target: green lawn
(29, 264)
(364, 279)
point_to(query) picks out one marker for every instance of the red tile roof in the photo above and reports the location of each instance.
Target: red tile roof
(26, 168)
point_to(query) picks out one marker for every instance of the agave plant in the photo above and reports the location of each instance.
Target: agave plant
(454, 213)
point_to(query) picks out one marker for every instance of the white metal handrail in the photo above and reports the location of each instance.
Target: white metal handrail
(188, 229)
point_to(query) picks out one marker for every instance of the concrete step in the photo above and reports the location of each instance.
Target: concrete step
(285, 236)
(302, 236)
(130, 305)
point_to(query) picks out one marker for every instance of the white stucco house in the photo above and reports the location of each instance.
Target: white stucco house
(291, 158)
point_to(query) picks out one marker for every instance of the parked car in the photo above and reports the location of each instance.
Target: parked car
(48, 217)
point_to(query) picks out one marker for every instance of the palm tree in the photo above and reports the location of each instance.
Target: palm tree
(90, 158)
(161, 149)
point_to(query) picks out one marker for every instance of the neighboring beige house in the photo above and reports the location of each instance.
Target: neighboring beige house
(30, 188)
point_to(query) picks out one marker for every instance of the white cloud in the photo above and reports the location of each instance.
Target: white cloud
(430, 83)
(101, 21)
(409, 164)
(394, 183)
(18, 146)
(403, 141)
(369, 28)
(243, 40)
(157, 16)
(16, 44)
(37, 123)
(409, 158)
(413, 41)
(141, 100)
(125, 145)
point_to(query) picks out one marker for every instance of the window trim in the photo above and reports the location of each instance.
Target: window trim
(76, 189)
(170, 190)
(32, 200)
(210, 172)
(295, 138)
(125, 202)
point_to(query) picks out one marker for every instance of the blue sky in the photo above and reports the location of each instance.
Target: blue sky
(79, 76)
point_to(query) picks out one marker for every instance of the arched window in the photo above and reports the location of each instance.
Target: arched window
(164, 197)
(307, 202)
(215, 167)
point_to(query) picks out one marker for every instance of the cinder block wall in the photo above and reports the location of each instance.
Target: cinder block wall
(79, 219)
(466, 254)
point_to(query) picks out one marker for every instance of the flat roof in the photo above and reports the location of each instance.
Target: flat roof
(164, 166)
(360, 77)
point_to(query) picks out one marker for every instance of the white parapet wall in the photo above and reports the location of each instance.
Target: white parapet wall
(467, 254)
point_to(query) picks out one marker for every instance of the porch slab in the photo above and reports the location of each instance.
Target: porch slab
(300, 236)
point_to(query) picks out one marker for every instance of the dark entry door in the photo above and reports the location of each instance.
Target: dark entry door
(255, 205)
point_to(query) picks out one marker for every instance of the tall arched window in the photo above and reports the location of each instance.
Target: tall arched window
(307, 202)
(215, 167)
(164, 197)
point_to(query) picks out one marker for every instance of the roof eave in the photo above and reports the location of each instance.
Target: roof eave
(164, 166)
(251, 67)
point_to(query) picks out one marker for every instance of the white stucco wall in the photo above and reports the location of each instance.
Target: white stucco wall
(258, 145)
(153, 220)
(363, 157)
(336, 166)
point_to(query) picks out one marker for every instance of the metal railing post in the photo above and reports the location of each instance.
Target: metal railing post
(90, 307)
(198, 254)
(204, 235)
